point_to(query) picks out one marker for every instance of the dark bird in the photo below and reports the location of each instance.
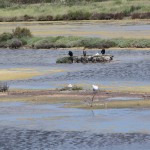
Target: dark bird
(84, 53)
(103, 51)
(70, 53)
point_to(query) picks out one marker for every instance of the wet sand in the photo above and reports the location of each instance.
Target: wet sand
(80, 99)
(103, 29)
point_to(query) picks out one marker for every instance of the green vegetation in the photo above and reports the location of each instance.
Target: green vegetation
(23, 36)
(16, 39)
(21, 32)
(69, 42)
(48, 10)
(64, 60)
(74, 88)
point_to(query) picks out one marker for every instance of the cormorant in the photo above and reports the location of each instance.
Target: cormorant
(84, 53)
(70, 53)
(103, 51)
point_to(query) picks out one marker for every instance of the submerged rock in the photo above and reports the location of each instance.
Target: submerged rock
(86, 59)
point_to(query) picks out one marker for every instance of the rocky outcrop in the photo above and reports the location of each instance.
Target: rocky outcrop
(86, 59)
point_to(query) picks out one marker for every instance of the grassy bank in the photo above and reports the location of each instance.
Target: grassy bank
(11, 41)
(75, 10)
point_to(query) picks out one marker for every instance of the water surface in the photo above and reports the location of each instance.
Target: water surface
(84, 29)
(47, 126)
(129, 68)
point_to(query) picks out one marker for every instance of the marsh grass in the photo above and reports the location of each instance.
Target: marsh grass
(82, 10)
(68, 42)
(74, 88)
(16, 39)
(71, 41)
(23, 36)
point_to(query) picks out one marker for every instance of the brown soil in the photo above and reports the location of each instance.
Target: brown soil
(73, 94)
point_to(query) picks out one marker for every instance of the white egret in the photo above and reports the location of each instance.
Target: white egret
(95, 89)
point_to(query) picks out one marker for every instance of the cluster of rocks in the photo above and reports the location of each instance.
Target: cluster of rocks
(4, 87)
(86, 59)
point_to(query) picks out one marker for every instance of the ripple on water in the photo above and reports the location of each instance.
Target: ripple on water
(129, 66)
(12, 138)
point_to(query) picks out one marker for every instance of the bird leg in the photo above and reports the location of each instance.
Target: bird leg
(92, 99)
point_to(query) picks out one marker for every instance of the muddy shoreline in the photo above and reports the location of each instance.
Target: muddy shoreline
(74, 93)
(80, 99)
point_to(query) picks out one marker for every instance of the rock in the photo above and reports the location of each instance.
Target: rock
(86, 59)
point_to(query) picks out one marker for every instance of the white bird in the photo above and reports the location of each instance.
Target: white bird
(70, 86)
(96, 54)
(95, 87)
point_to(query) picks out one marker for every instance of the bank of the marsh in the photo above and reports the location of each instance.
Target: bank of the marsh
(9, 41)
(74, 10)
(80, 99)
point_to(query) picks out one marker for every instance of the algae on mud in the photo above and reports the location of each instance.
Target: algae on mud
(23, 73)
(80, 99)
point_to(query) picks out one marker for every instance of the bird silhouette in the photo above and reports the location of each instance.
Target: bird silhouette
(103, 51)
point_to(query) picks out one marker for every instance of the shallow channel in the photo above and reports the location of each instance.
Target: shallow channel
(50, 126)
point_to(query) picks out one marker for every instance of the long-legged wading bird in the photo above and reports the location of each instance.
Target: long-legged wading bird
(95, 90)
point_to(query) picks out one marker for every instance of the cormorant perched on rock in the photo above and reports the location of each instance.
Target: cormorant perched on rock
(84, 52)
(103, 51)
(70, 53)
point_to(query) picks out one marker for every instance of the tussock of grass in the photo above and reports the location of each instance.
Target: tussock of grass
(16, 39)
(74, 88)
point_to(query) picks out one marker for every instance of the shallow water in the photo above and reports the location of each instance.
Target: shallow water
(124, 98)
(130, 68)
(86, 29)
(54, 117)
(47, 126)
